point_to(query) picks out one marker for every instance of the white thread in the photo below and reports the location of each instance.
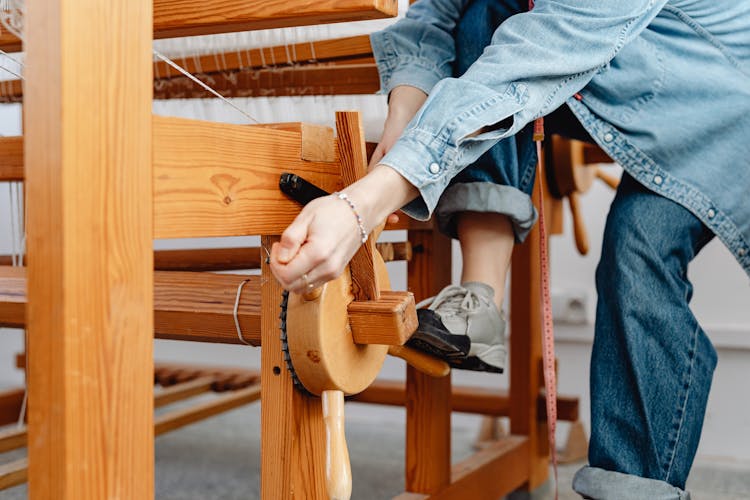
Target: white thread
(12, 73)
(234, 313)
(203, 85)
(312, 51)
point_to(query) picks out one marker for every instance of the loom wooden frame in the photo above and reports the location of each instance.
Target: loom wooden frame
(65, 359)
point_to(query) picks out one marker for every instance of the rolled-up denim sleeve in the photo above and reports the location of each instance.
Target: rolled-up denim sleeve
(535, 62)
(418, 50)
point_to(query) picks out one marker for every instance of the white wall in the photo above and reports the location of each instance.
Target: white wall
(721, 301)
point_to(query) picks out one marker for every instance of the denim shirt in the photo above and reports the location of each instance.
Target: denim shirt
(662, 86)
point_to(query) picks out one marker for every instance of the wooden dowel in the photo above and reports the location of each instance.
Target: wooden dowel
(338, 467)
(182, 391)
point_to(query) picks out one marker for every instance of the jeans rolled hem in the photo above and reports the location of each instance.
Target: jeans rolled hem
(486, 197)
(599, 484)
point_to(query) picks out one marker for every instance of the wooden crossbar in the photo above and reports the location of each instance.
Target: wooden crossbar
(177, 18)
(11, 158)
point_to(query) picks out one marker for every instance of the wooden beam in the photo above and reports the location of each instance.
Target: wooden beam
(391, 320)
(466, 399)
(11, 158)
(293, 437)
(185, 416)
(12, 297)
(14, 473)
(277, 56)
(312, 79)
(177, 18)
(216, 179)
(185, 390)
(12, 439)
(90, 284)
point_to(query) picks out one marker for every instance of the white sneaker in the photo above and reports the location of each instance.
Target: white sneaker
(464, 327)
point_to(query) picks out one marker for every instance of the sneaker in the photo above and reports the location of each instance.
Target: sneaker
(463, 326)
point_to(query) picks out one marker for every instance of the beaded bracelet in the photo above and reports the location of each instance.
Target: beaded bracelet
(362, 232)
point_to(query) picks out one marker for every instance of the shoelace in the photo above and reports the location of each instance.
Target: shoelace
(454, 299)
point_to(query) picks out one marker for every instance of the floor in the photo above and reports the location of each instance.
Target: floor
(219, 459)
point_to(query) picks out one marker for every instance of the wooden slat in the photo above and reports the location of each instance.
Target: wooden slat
(295, 53)
(467, 399)
(185, 390)
(208, 259)
(14, 473)
(187, 306)
(90, 284)
(353, 156)
(12, 439)
(320, 79)
(214, 179)
(185, 416)
(292, 441)
(177, 18)
(11, 158)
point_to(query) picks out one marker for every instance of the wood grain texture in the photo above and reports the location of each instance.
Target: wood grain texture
(11, 401)
(12, 439)
(353, 157)
(428, 430)
(13, 473)
(177, 18)
(391, 320)
(214, 179)
(526, 355)
(187, 306)
(292, 441)
(90, 284)
(11, 158)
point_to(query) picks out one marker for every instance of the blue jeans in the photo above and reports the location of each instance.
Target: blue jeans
(651, 364)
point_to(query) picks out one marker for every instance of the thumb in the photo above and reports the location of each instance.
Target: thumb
(292, 239)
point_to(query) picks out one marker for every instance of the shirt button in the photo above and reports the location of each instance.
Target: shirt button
(434, 168)
(741, 252)
(608, 137)
(711, 213)
(658, 180)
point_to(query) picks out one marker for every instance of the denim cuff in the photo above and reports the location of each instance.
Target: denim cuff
(600, 484)
(486, 197)
(402, 69)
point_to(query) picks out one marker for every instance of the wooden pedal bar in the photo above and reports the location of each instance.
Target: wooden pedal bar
(390, 320)
(178, 18)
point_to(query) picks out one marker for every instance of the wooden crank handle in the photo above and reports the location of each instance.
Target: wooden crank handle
(338, 468)
(423, 362)
(579, 229)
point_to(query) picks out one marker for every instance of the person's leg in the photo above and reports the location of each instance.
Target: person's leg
(487, 207)
(651, 364)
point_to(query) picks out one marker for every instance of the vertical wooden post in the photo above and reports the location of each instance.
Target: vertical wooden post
(293, 437)
(526, 354)
(87, 105)
(428, 403)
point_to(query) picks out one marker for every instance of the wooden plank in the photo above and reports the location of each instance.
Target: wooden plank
(90, 284)
(467, 399)
(292, 441)
(14, 473)
(208, 259)
(428, 414)
(185, 390)
(262, 57)
(353, 156)
(187, 306)
(12, 439)
(215, 179)
(11, 158)
(526, 355)
(319, 79)
(185, 416)
(177, 18)
(10, 90)
(390, 320)
(11, 401)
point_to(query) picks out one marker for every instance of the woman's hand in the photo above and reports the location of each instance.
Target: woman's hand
(324, 237)
(404, 102)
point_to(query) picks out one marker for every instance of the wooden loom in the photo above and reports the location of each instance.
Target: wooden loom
(207, 180)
